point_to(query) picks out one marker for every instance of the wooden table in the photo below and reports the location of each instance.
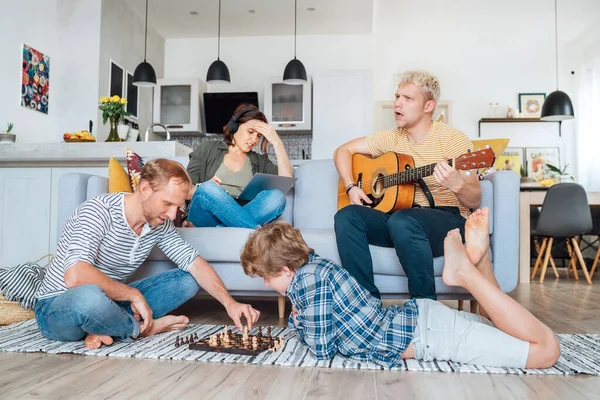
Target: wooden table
(530, 198)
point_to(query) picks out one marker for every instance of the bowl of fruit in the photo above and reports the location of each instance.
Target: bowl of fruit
(81, 136)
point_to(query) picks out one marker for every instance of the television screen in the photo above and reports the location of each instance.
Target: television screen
(219, 107)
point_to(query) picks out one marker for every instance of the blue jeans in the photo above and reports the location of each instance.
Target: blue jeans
(417, 234)
(211, 205)
(86, 309)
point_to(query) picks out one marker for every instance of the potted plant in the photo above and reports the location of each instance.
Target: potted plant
(560, 175)
(8, 136)
(113, 110)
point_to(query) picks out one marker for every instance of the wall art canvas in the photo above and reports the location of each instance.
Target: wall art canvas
(35, 79)
(538, 159)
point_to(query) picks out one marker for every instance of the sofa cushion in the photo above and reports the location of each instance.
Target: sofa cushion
(315, 195)
(213, 244)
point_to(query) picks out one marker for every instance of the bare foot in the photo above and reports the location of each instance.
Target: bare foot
(95, 341)
(456, 260)
(477, 235)
(166, 324)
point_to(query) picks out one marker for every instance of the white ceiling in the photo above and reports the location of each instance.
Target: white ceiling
(172, 19)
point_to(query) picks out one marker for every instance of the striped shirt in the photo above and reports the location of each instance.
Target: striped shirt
(443, 141)
(98, 233)
(336, 314)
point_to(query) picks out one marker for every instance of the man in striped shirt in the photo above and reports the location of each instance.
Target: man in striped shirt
(417, 233)
(106, 239)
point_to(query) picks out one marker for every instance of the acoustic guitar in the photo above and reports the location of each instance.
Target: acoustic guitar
(389, 180)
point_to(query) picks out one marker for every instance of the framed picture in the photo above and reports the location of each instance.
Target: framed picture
(512, 159)
(35, 79)
(538, 159)
(443, 112)
(115, 79)
(131, 95)
(530, 104)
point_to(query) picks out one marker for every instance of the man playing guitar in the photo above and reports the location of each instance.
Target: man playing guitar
(416, 233)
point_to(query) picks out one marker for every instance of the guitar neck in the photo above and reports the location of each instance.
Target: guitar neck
(410, 175)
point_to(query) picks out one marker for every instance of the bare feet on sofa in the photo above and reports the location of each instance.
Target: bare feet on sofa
(95, 341)
(166, 324)
(456, 260)
(477, 237)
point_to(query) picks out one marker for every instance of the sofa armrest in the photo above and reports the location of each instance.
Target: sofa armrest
(505, 239)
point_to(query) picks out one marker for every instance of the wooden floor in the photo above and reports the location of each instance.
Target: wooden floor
(565, 305)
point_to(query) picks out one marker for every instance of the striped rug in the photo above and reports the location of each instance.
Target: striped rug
(580, 353)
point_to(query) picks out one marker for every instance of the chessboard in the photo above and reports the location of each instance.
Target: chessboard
(234, 343)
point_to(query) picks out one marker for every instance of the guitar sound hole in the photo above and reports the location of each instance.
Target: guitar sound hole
(377, 186)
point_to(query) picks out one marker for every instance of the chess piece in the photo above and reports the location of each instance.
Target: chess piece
(245, 335)
(269, 332)
(196, 335)
(254, 343)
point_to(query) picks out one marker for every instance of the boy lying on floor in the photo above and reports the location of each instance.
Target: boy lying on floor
(332, 313)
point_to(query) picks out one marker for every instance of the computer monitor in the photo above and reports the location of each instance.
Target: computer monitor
(219, 107)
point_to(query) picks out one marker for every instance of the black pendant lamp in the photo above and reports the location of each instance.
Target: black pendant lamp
(295, 73)
(218, 71)
(558, 105)
(144, 74)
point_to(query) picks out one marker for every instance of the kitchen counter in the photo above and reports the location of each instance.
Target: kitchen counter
(83, 153)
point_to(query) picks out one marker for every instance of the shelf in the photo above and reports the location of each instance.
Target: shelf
(515, 120)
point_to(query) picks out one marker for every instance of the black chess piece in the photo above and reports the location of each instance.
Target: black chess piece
(196, 335)
(269, 332)
(187, 340)
(177, 342)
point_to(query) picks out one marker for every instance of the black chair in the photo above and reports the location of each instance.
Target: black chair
(565, 213)
(596, 232)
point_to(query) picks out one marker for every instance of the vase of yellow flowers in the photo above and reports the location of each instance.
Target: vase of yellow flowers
(113, 110)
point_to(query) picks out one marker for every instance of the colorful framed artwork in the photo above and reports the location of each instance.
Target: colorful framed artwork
(512, 159)
(530, 104)
(35, 79)
(538, 159)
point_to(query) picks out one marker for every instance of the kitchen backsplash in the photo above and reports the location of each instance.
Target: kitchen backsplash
(297, 145)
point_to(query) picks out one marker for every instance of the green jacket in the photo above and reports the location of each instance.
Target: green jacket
(206, 159)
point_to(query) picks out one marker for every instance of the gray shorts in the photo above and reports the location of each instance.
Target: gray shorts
(450, 335)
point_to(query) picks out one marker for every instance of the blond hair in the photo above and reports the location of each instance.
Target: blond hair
(160, 171)
(272, 247)
(427, 82)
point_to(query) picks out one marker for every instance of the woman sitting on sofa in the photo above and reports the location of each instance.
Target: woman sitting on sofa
(225, 167)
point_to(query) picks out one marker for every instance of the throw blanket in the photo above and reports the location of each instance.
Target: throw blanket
(21, 283)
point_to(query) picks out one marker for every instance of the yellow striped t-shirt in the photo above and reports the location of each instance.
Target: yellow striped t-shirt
(443, 141)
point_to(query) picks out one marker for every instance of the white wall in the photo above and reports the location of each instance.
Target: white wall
(65, 31)
(122, 40)
(253, 60)
(482, 52)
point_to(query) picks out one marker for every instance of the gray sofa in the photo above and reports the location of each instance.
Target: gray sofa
(310, 207)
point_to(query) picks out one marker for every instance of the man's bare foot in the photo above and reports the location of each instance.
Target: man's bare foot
(166, 324)
(456, 260)
(95, 341)
(477, 235)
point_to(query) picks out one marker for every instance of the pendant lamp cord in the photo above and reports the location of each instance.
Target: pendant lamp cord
(146, 35)
(295, 24)
(556, 38)
(219, 34)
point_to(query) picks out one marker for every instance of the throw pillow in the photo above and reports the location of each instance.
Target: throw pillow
(118, 181)
(135, 165)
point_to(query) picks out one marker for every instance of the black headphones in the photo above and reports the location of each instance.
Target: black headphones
(233, 125)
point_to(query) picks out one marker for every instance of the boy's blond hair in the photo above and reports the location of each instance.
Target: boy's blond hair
(429, 83)
(272, 247)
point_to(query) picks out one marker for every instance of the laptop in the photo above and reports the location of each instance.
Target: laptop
(260, 182)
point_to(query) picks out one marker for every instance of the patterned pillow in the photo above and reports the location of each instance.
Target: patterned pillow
(134, 167)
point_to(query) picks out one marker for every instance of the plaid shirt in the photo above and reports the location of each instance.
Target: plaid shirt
(336, 314)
